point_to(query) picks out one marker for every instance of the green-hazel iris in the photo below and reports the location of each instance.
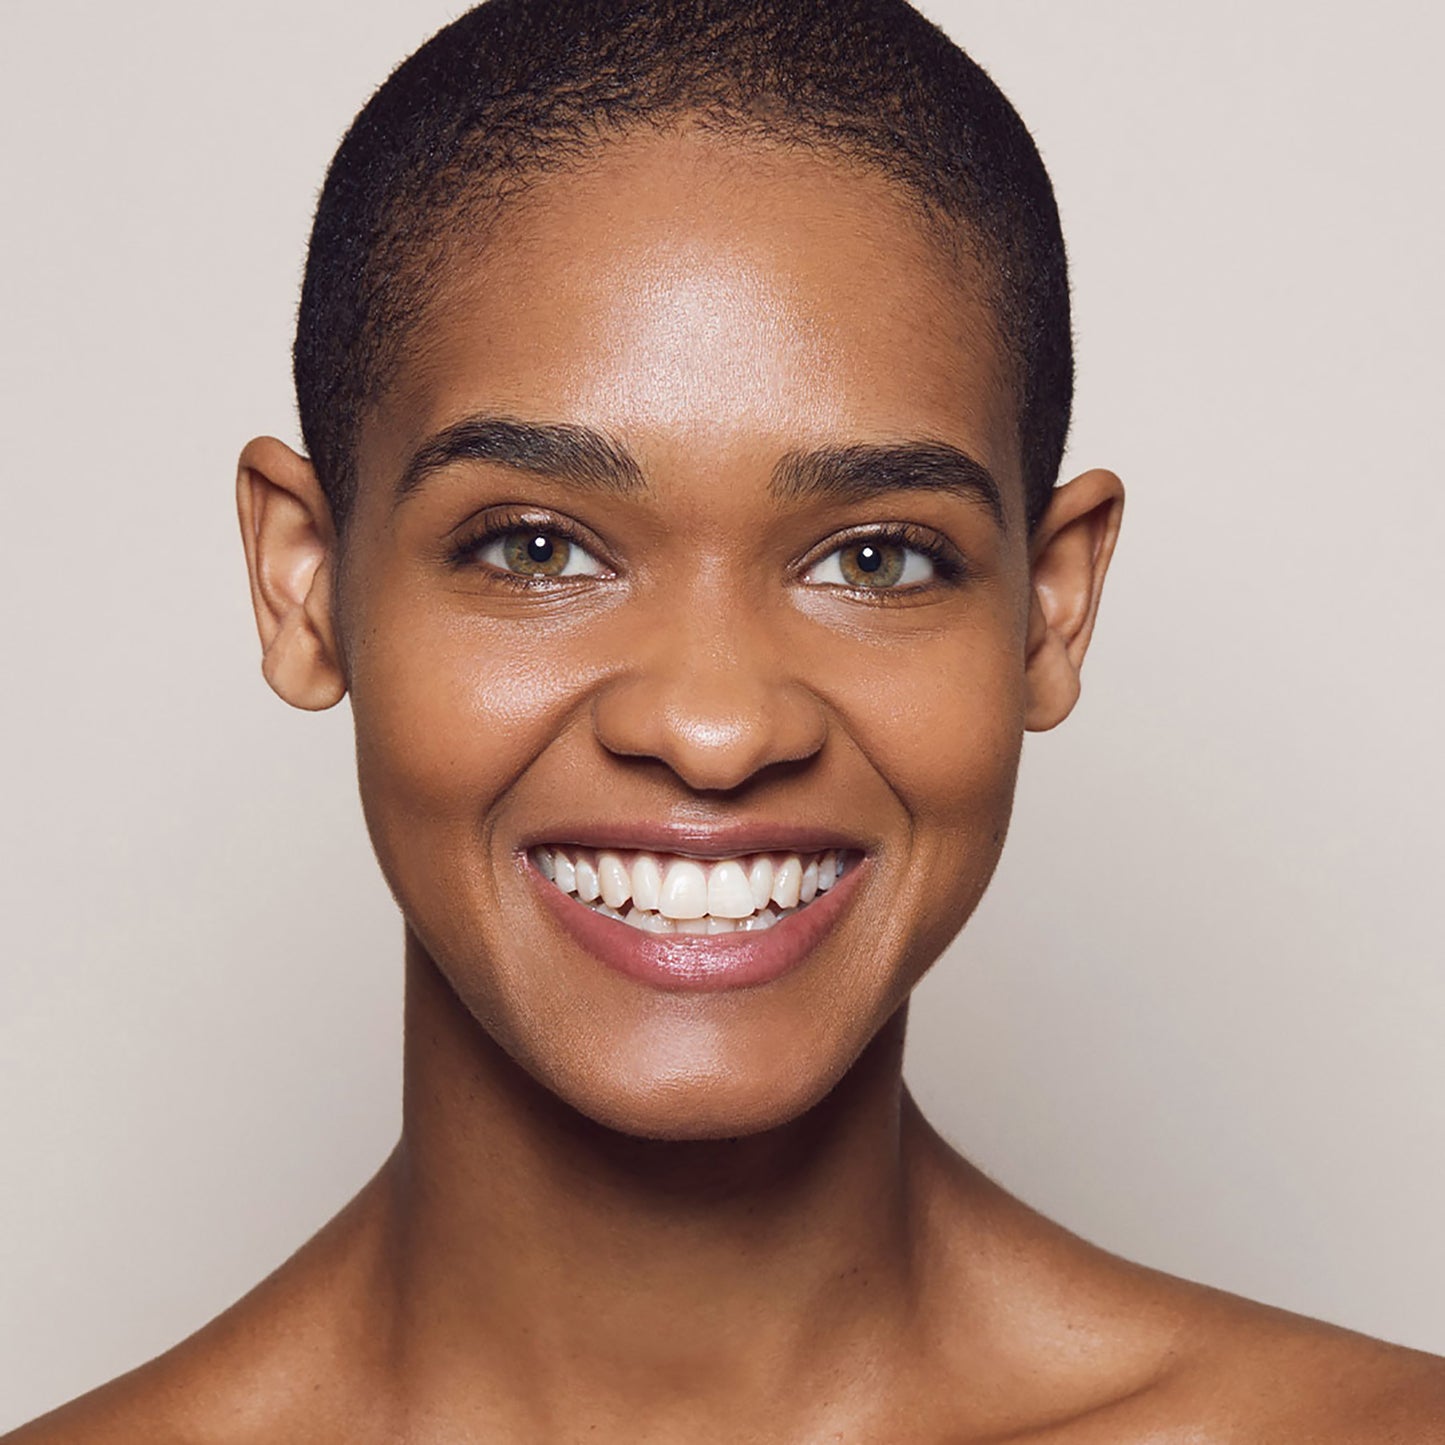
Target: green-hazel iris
(536, 553)
(871, 564)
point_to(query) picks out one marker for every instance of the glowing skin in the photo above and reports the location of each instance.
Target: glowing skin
(645, 1192)
(719, 670)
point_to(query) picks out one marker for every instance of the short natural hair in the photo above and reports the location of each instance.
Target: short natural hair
(516, 88)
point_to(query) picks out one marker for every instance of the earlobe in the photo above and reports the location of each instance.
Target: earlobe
(290, 542)
(1070, 555)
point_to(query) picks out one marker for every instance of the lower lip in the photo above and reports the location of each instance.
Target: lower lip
(699, 963)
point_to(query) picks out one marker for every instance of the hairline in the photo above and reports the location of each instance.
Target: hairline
(465, 225)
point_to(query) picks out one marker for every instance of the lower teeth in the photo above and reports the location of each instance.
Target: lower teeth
(655, 923)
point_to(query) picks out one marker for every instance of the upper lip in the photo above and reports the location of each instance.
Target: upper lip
(699, 840)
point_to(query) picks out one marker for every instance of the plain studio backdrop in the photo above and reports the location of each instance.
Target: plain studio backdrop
(1198, 1017)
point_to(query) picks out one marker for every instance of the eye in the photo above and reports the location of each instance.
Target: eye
(536, 552)
(873, 563)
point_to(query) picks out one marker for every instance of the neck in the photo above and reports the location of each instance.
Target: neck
(583, 1264)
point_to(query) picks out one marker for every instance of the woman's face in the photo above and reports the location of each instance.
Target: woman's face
(761, 605)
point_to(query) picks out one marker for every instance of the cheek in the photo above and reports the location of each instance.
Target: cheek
(941, 718)
(449, 711)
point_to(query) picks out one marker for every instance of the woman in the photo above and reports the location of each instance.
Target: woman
(684, 387)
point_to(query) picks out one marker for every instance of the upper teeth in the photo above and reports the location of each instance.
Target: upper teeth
(666, 889)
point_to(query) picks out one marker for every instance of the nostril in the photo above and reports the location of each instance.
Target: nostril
(714, 735)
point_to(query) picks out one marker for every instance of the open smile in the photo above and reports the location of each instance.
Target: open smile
(680, 922)
(672, 893)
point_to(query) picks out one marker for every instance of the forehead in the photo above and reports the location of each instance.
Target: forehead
(696, 295)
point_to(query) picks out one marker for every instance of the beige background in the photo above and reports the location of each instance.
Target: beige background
(1198, 1017)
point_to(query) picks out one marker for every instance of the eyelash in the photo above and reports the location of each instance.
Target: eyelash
(949, 567)
(495, 525)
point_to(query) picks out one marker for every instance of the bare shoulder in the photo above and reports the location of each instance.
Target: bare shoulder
(1262, 1374)
(289, 1361)
(1093, 1349)
(1234, 1372)
(164, 1402)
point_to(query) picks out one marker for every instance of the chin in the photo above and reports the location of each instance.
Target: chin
(695, 1084)
(690, 1111)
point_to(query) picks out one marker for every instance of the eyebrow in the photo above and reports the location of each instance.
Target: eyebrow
(856, 473)
(577, 455)
(583, 457)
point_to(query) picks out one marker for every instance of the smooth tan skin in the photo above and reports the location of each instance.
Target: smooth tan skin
(619, 1214)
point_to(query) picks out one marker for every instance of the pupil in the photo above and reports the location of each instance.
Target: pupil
(870, 559)
(539, 549)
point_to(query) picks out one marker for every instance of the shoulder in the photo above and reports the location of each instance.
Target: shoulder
(1239, 1373)
(149, 1404)
(1242, 1373)
(1265, 1374)
(293, 1360)
(1102, 1351)
(255, 1374)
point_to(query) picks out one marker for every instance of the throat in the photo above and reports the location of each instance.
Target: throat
(591, 1264)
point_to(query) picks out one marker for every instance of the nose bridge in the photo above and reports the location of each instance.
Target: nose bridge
(709, 688)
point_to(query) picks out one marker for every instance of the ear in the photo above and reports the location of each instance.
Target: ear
(290, 551)
(1069, 555)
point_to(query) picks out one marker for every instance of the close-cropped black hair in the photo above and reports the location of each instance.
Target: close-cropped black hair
(516, 88)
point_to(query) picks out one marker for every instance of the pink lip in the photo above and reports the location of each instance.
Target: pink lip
(698, 962)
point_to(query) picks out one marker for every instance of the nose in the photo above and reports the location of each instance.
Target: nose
(712, 695)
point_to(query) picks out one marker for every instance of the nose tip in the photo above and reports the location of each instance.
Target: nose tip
(715, 728)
